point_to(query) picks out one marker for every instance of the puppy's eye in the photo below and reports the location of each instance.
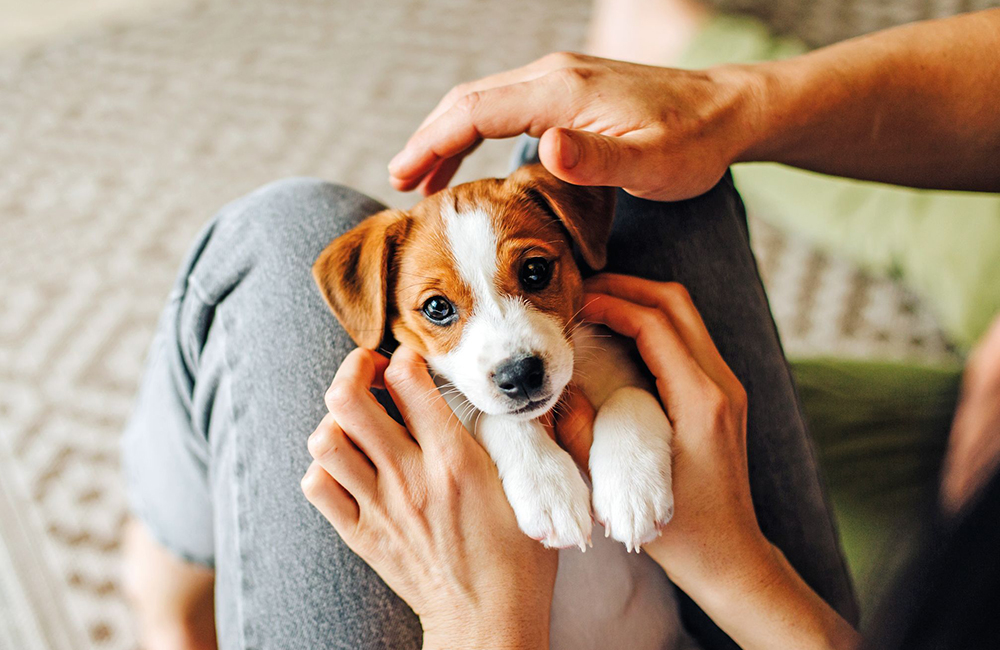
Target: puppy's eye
(438, 310)
(536, 273)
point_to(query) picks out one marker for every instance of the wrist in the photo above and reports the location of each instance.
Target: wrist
(714, 573)
(497, 629)
(720, 588)
(748, 90)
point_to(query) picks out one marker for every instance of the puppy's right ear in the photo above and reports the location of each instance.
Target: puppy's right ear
(353, 274)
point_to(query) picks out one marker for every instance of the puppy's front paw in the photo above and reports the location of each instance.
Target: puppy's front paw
(551, 501)
(630, 467)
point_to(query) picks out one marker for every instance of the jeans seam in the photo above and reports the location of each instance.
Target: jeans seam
(238, 470)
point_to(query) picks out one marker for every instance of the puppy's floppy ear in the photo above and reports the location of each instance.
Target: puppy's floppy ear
(586, 212)
(353, 274)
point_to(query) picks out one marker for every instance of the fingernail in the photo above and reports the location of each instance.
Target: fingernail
(569, 151)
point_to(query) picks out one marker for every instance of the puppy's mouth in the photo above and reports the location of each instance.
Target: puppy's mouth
(534, 408)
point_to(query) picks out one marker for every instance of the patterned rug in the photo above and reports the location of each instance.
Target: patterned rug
(115, 146)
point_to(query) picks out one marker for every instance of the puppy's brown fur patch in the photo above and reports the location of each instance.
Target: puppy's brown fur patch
(382, 272)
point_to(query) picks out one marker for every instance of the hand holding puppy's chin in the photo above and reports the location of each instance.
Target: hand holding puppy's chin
(423, 506)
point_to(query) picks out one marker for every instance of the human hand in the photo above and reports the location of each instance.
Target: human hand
(974, 444)
(713, 548)
(424, 506)
(714, 529)
(659, 133)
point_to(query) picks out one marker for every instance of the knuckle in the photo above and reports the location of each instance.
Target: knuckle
(400, 374)
(453, 465)
(573, 77)
(338, 397)
(718, 402)
(312, 484)
(656, 319)
(738, 399)
(469, 103)
(456, 92)
(676, 291)
(562, 58)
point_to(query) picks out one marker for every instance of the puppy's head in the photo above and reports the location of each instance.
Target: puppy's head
(480, 279)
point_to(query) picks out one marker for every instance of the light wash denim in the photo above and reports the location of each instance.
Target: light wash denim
(246, 348)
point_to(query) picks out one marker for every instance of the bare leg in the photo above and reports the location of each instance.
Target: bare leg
(654, 32)
(173, 600)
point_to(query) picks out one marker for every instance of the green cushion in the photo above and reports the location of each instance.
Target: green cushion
(944, 245)
(880, 430)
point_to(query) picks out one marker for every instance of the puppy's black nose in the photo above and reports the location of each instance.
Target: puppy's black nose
(522, 378)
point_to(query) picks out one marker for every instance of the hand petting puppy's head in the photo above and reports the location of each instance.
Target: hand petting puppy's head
(480, 279)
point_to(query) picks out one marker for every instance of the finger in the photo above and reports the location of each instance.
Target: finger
(427, 416)
(359, 414)
(674, 300)
(331, 499)
(574, 425)
(503, 112)
(587, 158)
(679, 378)
(528, 72)
(439, 178)
(334, 451)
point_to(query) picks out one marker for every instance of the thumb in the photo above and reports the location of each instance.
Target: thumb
(426, 415)
(585, 158)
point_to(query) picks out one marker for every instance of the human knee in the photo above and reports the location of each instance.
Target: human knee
(305, 208)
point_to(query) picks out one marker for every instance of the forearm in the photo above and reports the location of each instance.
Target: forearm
(761, 602)
(916, 105)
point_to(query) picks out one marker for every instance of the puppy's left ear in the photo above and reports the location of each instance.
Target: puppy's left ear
(586, 212)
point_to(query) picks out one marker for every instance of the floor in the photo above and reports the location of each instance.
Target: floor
(27, 22)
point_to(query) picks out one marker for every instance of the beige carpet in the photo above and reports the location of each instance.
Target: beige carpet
(116, 145)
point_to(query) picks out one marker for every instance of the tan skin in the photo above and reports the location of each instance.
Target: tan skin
(914, 106)
(467, 555)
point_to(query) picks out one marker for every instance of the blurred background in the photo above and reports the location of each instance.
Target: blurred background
(125, 124)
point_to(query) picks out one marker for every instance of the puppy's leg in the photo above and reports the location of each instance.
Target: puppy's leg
(630, 467)
(542, 483)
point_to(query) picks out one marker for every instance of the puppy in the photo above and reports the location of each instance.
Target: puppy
(481, 280)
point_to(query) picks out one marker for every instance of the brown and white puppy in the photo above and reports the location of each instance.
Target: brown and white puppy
(480, 279)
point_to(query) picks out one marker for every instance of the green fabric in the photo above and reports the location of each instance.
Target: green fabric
(944, 245)
(880, 431)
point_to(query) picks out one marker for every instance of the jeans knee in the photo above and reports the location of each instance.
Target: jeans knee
(279, 230)
(291, 220)
(306, 207)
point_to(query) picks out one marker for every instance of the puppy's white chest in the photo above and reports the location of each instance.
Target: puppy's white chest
(603, 362)
(607, 596)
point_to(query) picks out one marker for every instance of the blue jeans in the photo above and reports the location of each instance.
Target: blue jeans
(246, 347)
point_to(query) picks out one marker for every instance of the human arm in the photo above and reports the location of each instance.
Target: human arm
(914, 105)
(713, 548)
(974, 444)
(423, 505)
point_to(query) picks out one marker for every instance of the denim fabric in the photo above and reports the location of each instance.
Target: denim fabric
(246, 347)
